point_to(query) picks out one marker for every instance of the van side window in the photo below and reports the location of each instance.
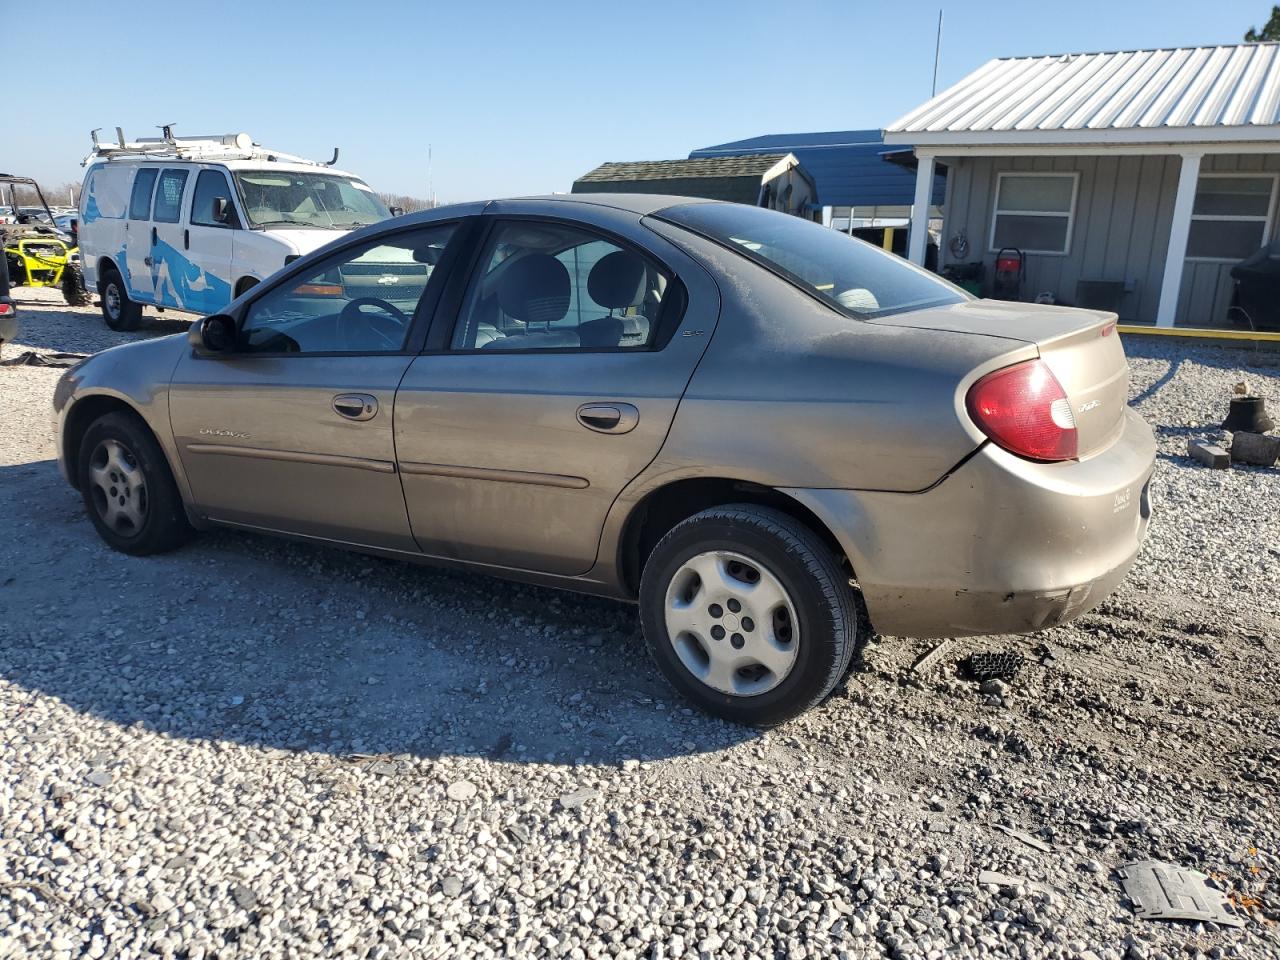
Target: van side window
(210, 185)
(169, 196)
(140, 202)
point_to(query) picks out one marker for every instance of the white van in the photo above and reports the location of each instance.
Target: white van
(192, 223)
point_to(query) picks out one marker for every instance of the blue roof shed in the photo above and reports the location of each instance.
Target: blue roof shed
(848, 166)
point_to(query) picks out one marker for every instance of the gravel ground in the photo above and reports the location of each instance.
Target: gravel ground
(252, 748)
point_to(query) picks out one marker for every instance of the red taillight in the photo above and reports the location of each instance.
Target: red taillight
(6, 309)
(1024, 409)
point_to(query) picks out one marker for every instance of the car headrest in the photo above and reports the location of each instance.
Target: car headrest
(535, 289)
(617, 281)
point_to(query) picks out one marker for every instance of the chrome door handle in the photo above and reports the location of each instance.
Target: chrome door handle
(608, 417)
(355, 406)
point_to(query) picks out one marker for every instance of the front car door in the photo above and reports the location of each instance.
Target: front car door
(572, 346)
(209, 241)
(292, 432)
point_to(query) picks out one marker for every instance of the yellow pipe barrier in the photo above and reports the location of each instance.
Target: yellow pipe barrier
(1202, 333)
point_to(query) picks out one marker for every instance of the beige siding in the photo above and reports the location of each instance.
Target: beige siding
(1121, 231)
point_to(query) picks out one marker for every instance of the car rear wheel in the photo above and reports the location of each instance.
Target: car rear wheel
(748, 614)
(128, 488)
(119, 312)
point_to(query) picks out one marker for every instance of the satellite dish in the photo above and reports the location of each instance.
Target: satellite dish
(243, 141)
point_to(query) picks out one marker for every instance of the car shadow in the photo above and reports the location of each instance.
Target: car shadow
(282, 645)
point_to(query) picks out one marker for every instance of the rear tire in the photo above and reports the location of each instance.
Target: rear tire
(73, 290)
(748, 614)
(119, 312)
(128, 489)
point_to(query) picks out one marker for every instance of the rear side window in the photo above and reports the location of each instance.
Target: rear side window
(853, 277)
(169, 196)
(140, 202)
(210, 185)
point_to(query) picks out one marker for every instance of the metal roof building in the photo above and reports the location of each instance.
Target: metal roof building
(848, 166)
(1149, 173)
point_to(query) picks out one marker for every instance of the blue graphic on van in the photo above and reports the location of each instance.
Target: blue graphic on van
(179, 283)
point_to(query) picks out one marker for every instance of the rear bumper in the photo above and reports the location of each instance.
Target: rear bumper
(1002, 545)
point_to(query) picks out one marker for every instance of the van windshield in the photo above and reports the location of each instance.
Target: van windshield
(275, 198)
(854, 277)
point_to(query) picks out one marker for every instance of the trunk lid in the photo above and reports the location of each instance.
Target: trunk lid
(1081, 347)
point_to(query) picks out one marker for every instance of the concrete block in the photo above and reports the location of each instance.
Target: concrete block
(1210, 454)
(1255, 448)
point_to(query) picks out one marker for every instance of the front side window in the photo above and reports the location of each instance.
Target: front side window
(140, 201)
(1231, 216)
(854, 277)
(548, 286)
(327, 201)
(360, 300)
(168, 207)
(211, 185)
(1034, 212)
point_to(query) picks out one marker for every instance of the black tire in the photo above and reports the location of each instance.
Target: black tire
(73, 290)
(246, 284)
(17, 271)
(164, 525)
(119, 312)
(812, 577)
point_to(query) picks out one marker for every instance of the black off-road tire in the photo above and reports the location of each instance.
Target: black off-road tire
(118, 311)
(809, 572)
(73, 290)
(165, 526)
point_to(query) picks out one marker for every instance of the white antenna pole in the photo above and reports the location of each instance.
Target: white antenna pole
(431, 182)
(937, 55)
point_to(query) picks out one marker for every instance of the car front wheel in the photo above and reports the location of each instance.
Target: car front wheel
(128, 488)
(748, 614)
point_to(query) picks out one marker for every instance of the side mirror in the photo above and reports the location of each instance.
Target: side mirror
(213, 334)
(222, 210)
(396, 211)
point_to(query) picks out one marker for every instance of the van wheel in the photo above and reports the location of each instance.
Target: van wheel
(128, 488)
(119, 312)
(748, 614)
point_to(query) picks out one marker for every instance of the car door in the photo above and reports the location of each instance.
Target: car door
(292, 431)
(171, 270)
(139, 237)
(555, 386)
(209, 238)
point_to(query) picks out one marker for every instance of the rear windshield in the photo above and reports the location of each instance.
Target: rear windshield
(852, 276)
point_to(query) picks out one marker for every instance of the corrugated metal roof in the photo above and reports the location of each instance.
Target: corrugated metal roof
(1196, 88)
(748, 166)
(846, 165)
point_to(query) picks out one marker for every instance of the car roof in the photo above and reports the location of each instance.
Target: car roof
(263, 166)
(643, 204)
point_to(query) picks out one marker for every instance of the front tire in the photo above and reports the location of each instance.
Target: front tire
(748, 614)
(118, 311)
(73, 290)
(128, 488)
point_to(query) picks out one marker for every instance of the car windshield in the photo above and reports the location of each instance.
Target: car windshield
(850, 275)
(276, 198)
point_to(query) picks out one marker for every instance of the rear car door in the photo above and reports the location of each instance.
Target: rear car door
(292, 432)
(139, 237)
(171, 270)
(555, 386)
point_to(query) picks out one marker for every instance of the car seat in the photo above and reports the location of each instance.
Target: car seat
(535, 289)
(616, 282)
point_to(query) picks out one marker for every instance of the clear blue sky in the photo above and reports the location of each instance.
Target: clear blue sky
(520, 98)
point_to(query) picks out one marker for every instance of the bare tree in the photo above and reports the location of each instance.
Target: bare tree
(58, 195)
(409, 204)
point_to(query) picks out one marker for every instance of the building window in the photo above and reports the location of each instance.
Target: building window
(1034, 211)
(1231, 216)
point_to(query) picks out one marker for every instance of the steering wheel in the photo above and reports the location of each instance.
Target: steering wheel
(356, 330)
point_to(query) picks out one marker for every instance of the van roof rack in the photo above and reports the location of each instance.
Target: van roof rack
(225, 146)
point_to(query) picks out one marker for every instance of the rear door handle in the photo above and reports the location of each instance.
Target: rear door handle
(356, 406)
(154, 236)
(609, 417)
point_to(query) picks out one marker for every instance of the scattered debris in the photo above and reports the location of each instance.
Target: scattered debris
(460, 790)
(1166, 891)
(29, 358)
(1210, 454)
(1255, 448)
(1026, 838)
(572, 801)
(996, 879)
(992, 666)
(99, 778)
(930, 659)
